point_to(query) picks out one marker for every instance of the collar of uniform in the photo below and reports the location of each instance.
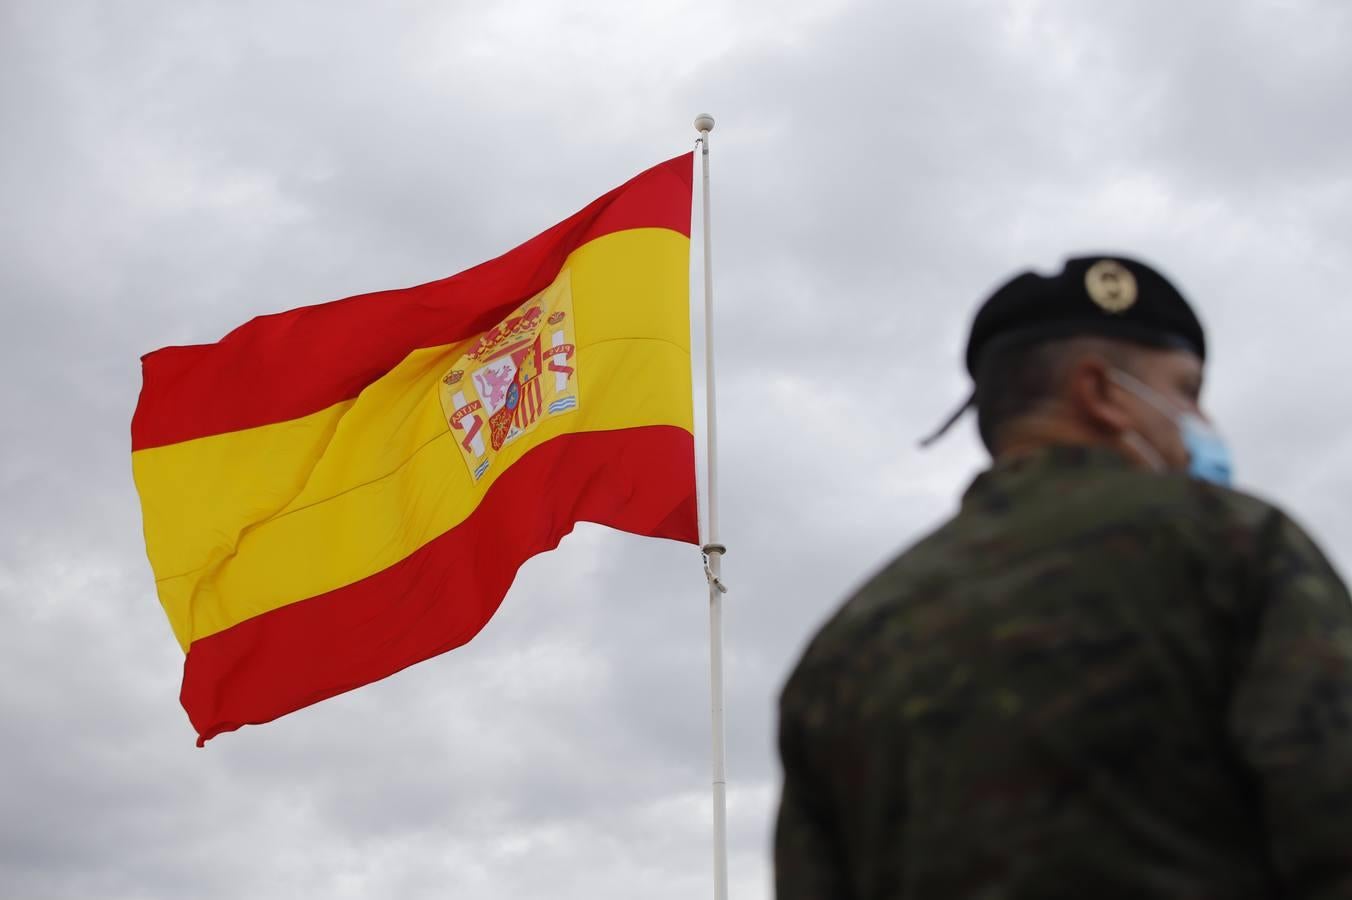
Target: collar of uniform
(993, 487)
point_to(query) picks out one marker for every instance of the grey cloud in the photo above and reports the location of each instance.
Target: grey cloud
(877, 168)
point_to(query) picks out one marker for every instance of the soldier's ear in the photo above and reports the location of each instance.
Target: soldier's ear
(1095, 398)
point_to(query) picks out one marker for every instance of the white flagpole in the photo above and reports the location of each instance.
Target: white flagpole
(713, 551)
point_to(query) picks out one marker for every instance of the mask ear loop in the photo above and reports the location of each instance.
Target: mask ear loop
(1134, 439)
(1145, 451)
(1144, 392)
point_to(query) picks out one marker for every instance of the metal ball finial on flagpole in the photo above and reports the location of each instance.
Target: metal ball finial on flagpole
(713, 550)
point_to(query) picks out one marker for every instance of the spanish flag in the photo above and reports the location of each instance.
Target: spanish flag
(334, 493)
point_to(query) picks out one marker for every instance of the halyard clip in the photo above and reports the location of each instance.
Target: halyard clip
(713, 579)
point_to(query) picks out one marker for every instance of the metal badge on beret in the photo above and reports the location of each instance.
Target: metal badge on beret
(1111, 286)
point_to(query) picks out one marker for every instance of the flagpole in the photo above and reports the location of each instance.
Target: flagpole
(713, 550)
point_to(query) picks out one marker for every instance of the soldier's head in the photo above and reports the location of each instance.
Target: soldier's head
(1105, 352)
(1091, 390)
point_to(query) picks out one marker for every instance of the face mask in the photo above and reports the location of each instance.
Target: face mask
(1208, 454)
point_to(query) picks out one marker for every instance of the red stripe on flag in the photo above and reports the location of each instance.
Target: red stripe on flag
(639, 480)
(280, 367)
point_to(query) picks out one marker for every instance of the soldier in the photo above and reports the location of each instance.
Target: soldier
(1109, 675)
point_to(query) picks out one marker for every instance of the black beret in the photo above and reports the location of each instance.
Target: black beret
(1108, 296)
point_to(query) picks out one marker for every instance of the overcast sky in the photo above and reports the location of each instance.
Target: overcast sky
(172, 169)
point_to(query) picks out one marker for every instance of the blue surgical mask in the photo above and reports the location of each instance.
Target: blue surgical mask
(1208, 454)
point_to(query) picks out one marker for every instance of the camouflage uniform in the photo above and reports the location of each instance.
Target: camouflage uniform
(1092, 682)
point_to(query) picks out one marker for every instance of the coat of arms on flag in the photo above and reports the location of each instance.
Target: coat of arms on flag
(517, 373)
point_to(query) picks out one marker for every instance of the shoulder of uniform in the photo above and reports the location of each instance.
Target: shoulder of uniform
(1262, 533)
(1235, 511)
(826, 654)
(863, 618)
(1232, 507)
(1177, 503)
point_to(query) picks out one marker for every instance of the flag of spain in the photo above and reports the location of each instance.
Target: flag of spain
(336, 492)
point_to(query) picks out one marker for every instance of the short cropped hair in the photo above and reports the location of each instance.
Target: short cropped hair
(1017, 379)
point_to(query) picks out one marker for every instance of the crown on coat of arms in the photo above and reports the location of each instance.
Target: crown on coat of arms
(509, 332)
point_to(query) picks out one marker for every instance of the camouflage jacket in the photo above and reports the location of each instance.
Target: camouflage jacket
(1092, 682)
